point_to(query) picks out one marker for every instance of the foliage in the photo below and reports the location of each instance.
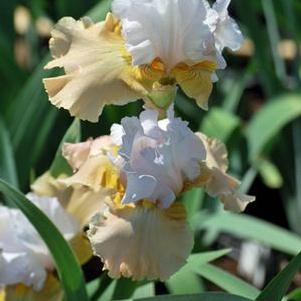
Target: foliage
(262, 132)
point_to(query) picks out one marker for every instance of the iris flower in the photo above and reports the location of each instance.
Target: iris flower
(143, 49)
(26, 266)
(141, 170)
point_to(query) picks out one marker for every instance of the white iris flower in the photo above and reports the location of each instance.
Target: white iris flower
(158, 157)
(24, 257)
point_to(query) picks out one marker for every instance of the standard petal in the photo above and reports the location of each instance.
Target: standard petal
(167, 29)
(226, 32)
(151, 157)
(97, 68)
(141, 242)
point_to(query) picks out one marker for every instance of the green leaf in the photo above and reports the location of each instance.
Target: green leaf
(30, 111)
(8, 170)
(205, 257)
(108, 293)
(28, 106)
(198, 297)
(73, 8)
(6, 16)
(125, 288)
(277, 288)
(220, 124)
(269, 173)
(250, 228)
(248, 13)
(273, 30)
(42, 137)
(295, 295)
(226, 281)
(270, 121)
(60, 165)
(67, 265)
(145, 290)
(98, 286)
(185, 281)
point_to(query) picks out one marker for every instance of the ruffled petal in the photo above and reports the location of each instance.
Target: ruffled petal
(96, 64)
(96, 173)
(141, 242)
(220, 184)
(48, 186)
(167, 29)
(227, 32)
(236, 201)
(77, 153)
(151, 156)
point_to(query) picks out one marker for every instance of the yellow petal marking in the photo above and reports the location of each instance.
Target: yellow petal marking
(196, 80)
(82, 248)
(51, 292)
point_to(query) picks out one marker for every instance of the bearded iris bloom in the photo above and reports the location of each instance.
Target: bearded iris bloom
(141, 170)
(142, 50)
(27, 269)
(26, 266)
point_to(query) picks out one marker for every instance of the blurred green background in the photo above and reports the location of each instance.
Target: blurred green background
(255, 109)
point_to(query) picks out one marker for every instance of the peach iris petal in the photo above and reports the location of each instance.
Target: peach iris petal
(141, 242)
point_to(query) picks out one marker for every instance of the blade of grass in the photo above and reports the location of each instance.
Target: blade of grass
(145, 290)
(8, 170)
(219, 124)
(270, 121)
(257, 32)
(185, 281)
(277, 288)
(198, 297)
(226, 281)
(29, 111)
(274, 36)
(295, 295)
(67, 265)
(251, 228)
